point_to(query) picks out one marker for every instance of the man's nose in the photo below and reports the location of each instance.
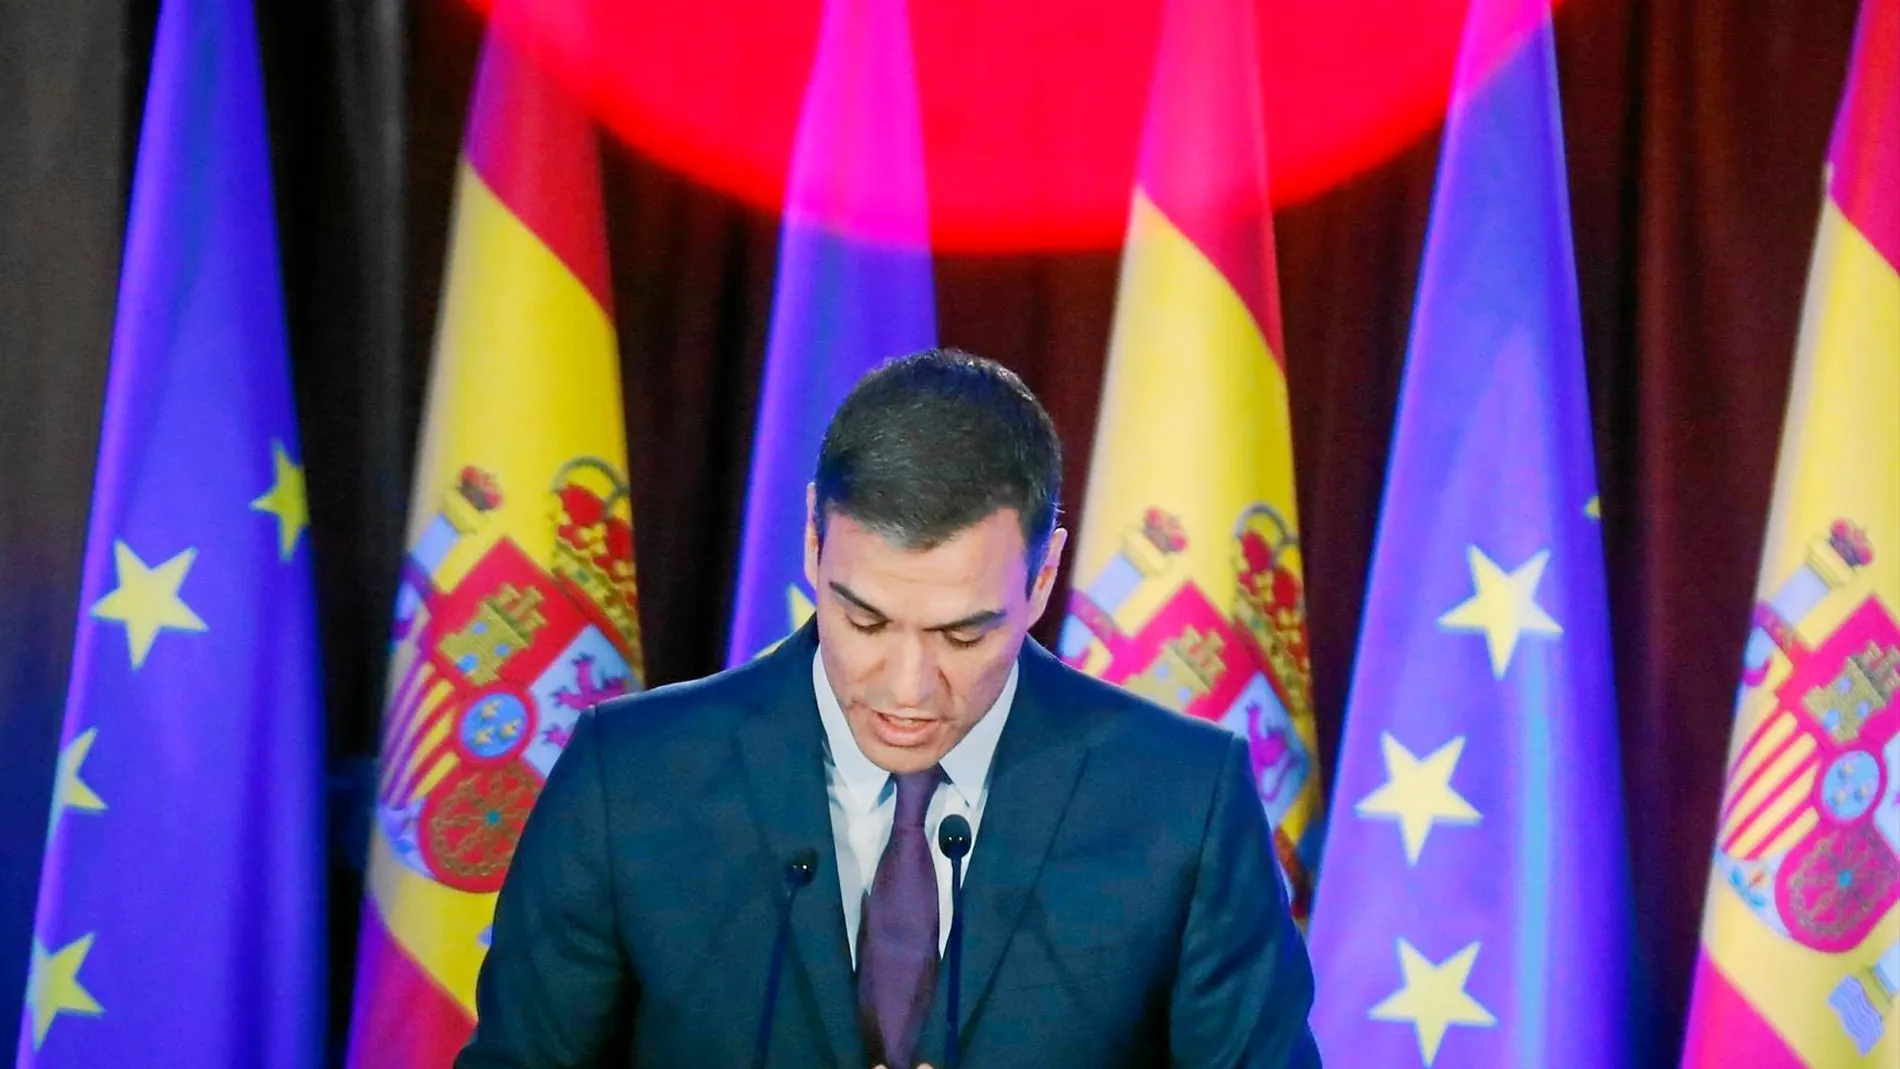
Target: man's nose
(912, 672)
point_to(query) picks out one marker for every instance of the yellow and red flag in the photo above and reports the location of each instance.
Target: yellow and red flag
(1188, 582)
(1800, 961)
(517, 607)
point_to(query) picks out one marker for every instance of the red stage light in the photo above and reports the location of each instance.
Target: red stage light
(1031, 109)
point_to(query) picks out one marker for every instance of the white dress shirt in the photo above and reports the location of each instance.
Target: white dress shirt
(864, 799)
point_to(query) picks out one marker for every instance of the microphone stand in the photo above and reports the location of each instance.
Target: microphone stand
(799, 871)
(953, 838)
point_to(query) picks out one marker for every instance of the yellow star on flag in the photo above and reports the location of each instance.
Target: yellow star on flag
(286, 501)
(1417, 793)
(53, 988)
(798, 606)
(69, 791)
(147, 601)
(1503, 606)
(1433, 998)
(1593, 508)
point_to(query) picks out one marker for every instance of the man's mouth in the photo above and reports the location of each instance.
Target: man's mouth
(902, 731)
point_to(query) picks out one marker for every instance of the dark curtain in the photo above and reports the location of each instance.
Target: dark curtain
(64, 122)
(1695, 138)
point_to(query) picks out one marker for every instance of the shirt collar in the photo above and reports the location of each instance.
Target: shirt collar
(966, 766)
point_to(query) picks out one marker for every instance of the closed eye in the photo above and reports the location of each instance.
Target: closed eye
(971, 630)
(963, 643)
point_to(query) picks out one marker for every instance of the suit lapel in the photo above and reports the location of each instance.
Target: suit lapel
(782, 750)
(1038, 760)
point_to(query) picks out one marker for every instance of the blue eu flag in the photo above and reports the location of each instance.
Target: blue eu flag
(854, 290)
(180, 913)
(1473, 903)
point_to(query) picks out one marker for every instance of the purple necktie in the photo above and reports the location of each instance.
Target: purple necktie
(897, 939)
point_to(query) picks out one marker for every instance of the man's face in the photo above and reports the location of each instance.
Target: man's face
(918, 643)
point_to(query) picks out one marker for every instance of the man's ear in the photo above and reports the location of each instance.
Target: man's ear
(811, 535)
(1045, 582)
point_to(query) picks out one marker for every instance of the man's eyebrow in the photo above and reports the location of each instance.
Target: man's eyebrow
(972, 622)
(846, 593)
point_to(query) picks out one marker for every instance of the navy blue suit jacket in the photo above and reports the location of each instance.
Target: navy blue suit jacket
(1121, 907)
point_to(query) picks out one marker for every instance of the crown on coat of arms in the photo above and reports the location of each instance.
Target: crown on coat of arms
(593, 542)
(1272, 601)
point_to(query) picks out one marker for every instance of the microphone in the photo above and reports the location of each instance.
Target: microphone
(800, 867)
(953, 838)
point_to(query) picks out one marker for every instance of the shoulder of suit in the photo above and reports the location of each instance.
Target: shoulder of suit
(687, 712)
(1119, 719)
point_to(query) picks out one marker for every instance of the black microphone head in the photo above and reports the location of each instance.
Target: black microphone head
(801, 867)
(953, 837)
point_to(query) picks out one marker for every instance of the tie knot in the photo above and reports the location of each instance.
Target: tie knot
(913, 795)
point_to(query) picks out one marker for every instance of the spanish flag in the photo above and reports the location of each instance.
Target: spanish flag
(1800, 961)
(516, 609)
(1188, 582)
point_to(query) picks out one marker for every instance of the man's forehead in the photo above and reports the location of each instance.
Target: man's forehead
(1000, 530)
(974, 559)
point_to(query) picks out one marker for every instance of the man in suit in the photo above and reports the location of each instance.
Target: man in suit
(1121, 904)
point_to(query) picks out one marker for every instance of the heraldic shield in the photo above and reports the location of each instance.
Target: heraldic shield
(489, 676)
(1245, 666)
(1810, 821)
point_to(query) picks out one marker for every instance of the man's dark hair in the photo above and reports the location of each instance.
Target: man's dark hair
(930, 444)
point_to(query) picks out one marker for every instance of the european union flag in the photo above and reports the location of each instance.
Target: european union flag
(854, 290)
(1473, 904)
(181, 907)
